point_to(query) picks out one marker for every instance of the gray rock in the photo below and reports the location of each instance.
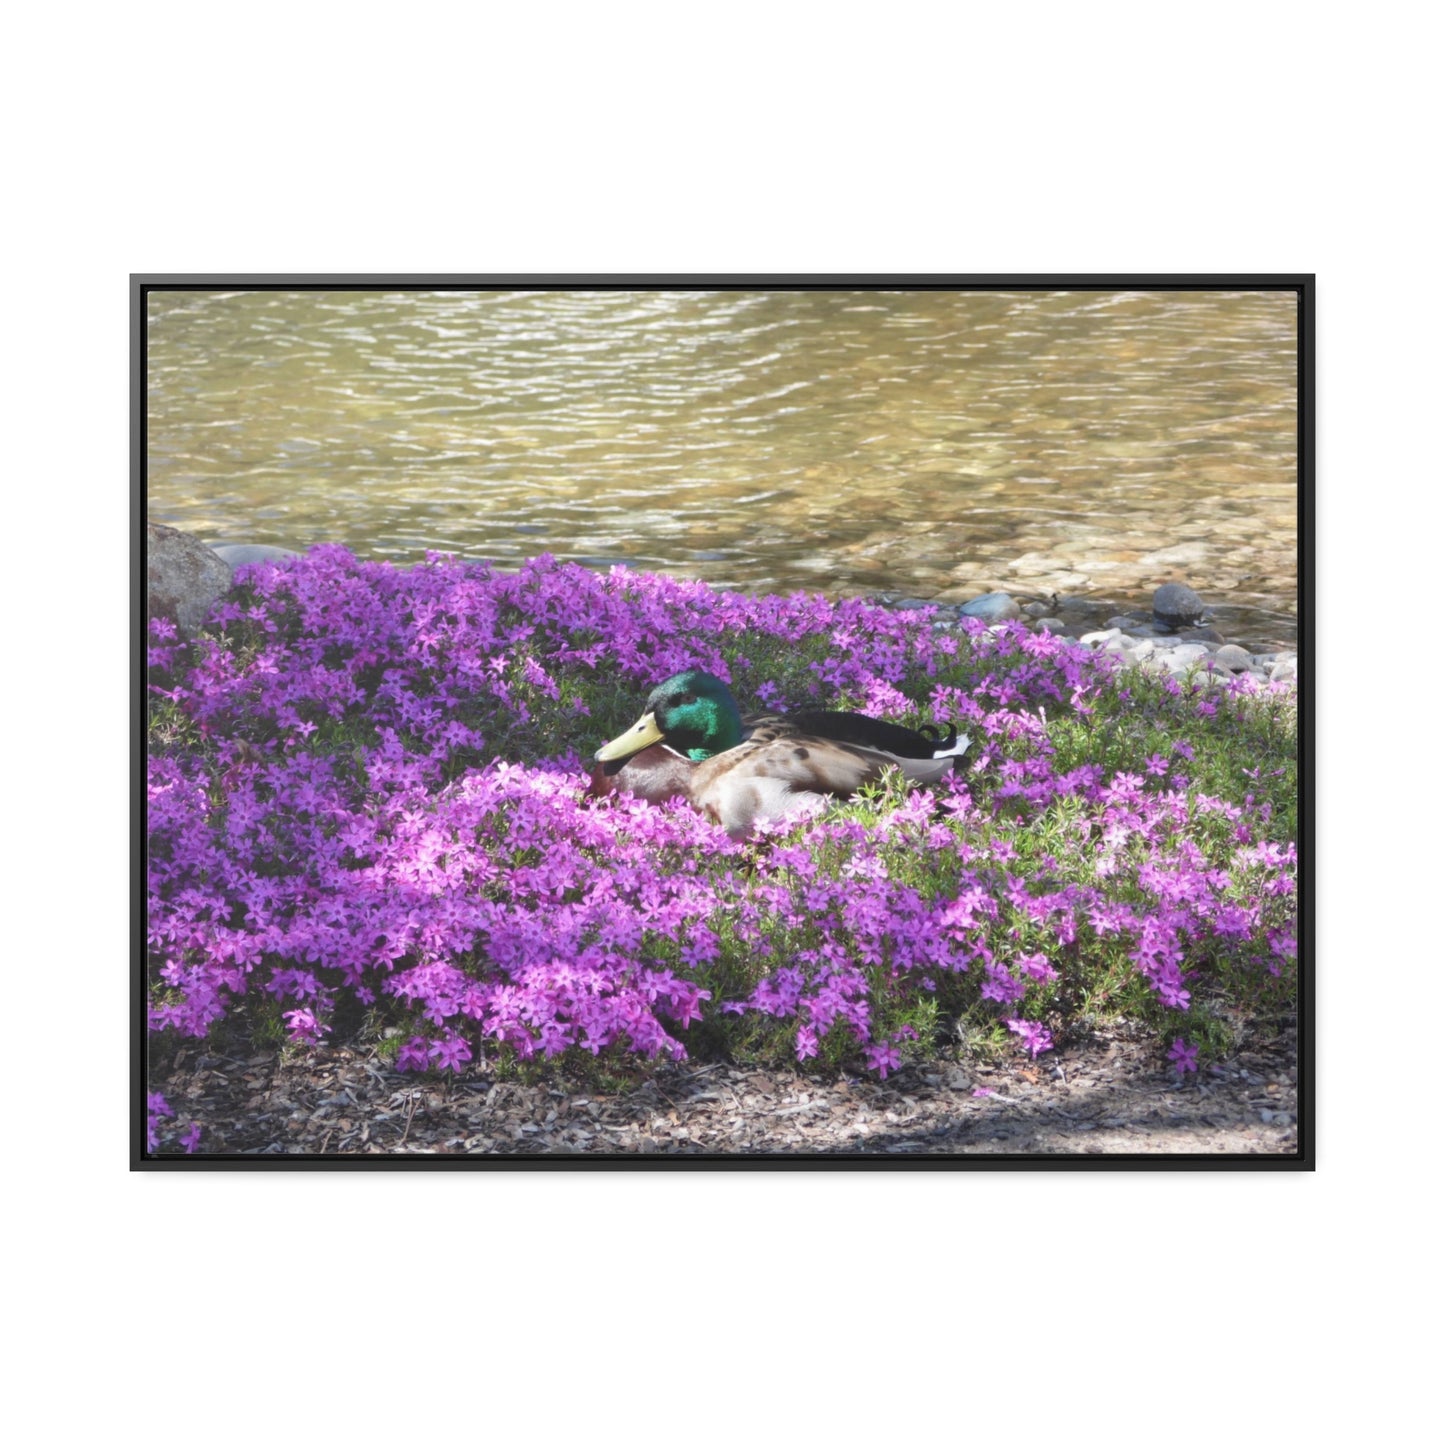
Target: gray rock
(183, 577)
(237, 554)
(1176, 605)
(1179, 660)
(1235, 659)
(1285, 670)
(1048, 624)
(1200, 634)
(1132, 622)
(992, 607)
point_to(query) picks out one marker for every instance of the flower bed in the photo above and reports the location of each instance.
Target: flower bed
(366, 793)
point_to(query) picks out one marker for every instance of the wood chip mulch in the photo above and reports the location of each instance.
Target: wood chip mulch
(1111, 1094)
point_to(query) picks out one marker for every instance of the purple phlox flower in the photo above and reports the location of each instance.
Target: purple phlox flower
(1000, 985)
(412, 1055)
(1124, 788)
(1033, 1037)
(883, 1058)
(191, 1137)
(701, 946)
(304, 1026)
(1184, 1057)
(156, 1103)
(300, 983)
(779, 994)
(1283, 945)
(451, 1053)
(982, 1093)
(1234, 921)
(1037, 967)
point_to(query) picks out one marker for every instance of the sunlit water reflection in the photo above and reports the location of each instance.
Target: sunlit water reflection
(933, 444)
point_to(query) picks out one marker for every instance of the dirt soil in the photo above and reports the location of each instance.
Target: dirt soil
(1112, 1094)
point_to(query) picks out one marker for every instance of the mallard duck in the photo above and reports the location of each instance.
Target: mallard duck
(692, 742)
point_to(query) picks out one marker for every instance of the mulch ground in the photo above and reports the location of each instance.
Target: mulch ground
(1111, 1094)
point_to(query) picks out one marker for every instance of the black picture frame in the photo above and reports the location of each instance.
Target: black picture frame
(1302, 285)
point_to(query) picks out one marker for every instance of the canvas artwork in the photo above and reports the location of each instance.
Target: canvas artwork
(722, 722)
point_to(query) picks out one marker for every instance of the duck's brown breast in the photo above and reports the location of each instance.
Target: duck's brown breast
(655, 775)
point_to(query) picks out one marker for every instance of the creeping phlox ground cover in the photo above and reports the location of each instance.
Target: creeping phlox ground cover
(366, 806)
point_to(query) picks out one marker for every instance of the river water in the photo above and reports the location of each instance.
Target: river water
(931, 444)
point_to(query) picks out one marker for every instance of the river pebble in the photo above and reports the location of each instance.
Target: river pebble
(992, 607)
(1235, 658)
(238, 554)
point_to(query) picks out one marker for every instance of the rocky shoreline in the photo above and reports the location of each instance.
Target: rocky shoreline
(1174, 637)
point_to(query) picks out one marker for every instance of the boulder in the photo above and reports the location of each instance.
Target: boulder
(183, 577)
(1176, 605)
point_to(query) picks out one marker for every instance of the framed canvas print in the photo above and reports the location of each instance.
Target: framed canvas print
(717, 722)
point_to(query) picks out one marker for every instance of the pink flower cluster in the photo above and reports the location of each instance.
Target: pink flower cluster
(359, 805)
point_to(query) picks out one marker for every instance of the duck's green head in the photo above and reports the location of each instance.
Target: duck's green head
(693, 713)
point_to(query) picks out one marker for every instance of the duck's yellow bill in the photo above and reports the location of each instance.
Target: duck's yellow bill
(643, 733)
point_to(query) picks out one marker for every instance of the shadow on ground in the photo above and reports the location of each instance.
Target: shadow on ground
(1112, 1094)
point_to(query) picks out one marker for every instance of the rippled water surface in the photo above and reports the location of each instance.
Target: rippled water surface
(932, 444)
